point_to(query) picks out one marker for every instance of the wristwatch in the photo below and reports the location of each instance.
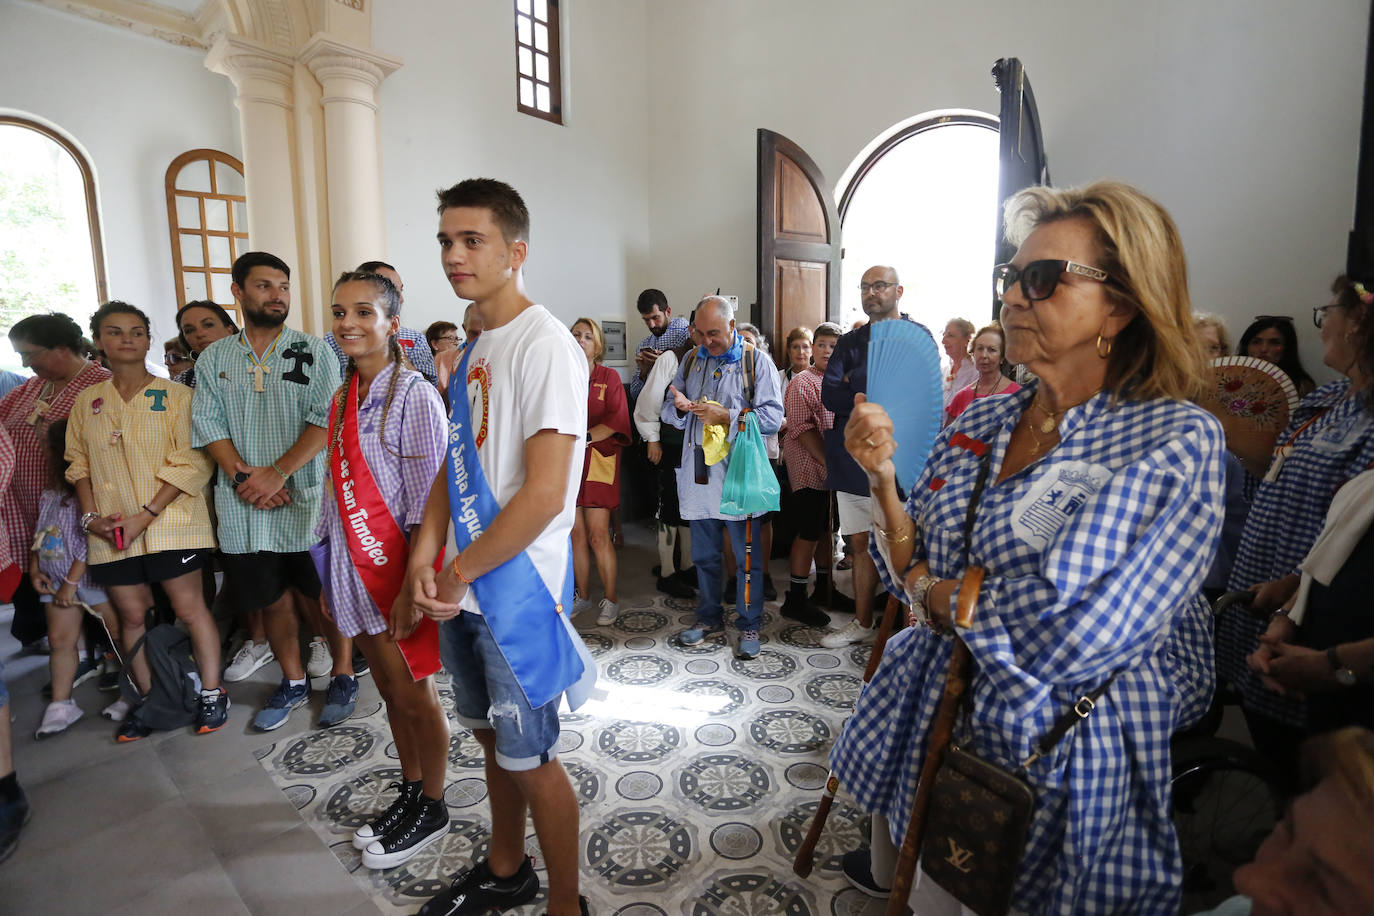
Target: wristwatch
(239, 478)
(1344, 675)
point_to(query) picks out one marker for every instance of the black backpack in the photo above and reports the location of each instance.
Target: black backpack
(174, 695)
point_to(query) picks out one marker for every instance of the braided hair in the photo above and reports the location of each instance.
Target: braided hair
(391, 303)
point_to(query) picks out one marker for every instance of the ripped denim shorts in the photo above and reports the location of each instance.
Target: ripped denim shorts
(486, 695)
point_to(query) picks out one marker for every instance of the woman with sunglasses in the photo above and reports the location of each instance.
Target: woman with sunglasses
(1329, 440)
(1272, 338)
(1094, 498)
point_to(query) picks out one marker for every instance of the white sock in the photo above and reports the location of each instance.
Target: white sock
(300, 683)
(209, 692)
(666, 537)
(684, 540)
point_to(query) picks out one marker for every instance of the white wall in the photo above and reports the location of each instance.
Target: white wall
(1240, 116)
(134, 103)
(449, 114)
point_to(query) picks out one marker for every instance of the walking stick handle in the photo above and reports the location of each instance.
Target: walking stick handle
(941, 729)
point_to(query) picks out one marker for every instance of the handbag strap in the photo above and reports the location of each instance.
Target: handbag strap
(1080, 710)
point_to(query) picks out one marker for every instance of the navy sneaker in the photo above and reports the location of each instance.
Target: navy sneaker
(479, 892)
(280, 704)
(748, 645)
(339, 700)
(213, 712)
(14, 815)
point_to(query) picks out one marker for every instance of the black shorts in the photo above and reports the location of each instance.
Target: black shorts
(149, 568)
(259, 579)
(809, 508)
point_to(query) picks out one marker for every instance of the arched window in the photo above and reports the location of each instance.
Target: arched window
(208, 217)
(922, 198)
(51, 256)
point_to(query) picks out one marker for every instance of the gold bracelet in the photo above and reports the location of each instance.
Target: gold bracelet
(887, 536)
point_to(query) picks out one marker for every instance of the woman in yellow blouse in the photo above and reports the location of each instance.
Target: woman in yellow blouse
(141, 487)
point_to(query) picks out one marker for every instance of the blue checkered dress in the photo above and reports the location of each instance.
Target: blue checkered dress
(1095, 558)
(1285, 518)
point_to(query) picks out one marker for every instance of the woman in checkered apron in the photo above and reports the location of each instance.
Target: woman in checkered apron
(1101, 513)
(1329, 440)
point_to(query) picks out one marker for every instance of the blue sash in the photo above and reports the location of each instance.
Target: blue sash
(544, 652)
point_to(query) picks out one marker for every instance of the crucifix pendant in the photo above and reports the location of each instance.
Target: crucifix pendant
(40, 410)
(258, 373)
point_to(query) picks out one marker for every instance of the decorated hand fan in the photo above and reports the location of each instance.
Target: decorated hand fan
(904, 377)
(1253, 399)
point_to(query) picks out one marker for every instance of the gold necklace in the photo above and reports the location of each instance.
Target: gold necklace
(1051, 421)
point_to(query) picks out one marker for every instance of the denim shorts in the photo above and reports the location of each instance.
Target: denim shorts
(486, 695)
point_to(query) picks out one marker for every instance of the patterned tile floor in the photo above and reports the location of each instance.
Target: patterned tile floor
(697, 775)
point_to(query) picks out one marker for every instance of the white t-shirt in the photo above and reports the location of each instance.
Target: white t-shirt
(525, 376)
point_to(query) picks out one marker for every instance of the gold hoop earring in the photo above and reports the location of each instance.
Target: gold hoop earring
(1100, 354)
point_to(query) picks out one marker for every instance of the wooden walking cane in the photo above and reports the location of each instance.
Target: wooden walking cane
(805, 858)
(956, 682)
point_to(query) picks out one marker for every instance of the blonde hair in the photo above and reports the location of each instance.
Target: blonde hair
(799, 333)
(963, 324)
(597, 335)
(1156, 355)
(1208, 320)
(1346, 756)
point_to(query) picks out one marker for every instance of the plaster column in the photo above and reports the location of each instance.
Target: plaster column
(349, 77)
(263, 78)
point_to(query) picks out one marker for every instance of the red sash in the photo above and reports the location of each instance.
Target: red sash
(376, 544)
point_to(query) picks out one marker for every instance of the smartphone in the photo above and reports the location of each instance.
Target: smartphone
(703, 473)
(119, 538)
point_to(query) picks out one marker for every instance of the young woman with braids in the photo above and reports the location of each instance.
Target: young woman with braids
(386, 443)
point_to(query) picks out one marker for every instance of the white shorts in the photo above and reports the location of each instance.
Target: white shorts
(856, 513)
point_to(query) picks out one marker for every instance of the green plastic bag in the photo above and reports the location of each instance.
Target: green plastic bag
(751, 487)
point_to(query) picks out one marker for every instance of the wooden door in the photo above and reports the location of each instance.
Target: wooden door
(798, 242)
(1021, 145)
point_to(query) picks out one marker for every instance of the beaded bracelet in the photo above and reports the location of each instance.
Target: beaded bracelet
(459, 573)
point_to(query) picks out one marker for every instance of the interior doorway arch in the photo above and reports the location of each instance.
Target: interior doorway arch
(920, 198)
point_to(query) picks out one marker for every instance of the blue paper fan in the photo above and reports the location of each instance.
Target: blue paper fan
(904, 377)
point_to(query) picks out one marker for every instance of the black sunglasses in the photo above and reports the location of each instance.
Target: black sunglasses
(1039, 279)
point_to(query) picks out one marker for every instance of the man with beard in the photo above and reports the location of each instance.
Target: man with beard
(665, 333)
(845, 376)
(261, 409)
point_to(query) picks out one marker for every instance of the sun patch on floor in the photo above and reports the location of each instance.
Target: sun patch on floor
(697, 775)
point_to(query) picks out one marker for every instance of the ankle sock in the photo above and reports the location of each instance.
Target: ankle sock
(209, 693)
(301, 683)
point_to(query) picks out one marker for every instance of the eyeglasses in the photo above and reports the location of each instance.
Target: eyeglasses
(880, 287)
(1319, 313)
(1039, 279)
(451, 338)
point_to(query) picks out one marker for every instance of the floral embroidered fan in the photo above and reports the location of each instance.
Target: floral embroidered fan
(1253, 399)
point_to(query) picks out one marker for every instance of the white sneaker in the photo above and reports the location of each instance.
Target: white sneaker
(852, 632)
(608, 612)
(580, 604)
(321, 662)
(117, 711)
(57, 718)
(250, 657)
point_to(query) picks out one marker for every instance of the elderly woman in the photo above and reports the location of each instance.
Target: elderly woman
(1212, 334)
(52, 346)
(989, 358)
(1100, 512)
(1329, 440)
(961, 372)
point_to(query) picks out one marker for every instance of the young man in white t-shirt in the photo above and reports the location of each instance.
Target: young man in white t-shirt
(526, 390)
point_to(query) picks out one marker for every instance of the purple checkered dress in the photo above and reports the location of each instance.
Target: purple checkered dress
(415, 429)
(1095, 557)
(1285, 518)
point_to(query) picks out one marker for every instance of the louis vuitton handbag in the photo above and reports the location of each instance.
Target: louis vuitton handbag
(979, 815)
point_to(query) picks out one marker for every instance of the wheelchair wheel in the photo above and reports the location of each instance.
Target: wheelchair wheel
(1226, 800)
